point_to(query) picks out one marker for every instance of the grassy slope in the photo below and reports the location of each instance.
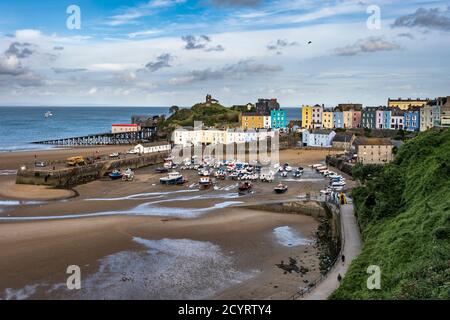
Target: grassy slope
(213, 115)
(405, 215)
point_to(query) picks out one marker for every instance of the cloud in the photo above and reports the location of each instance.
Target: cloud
(200, 42)
(143, 33)
(241, 69)
(10, 65)
(371, 44)
(406, 35)
(193, 42)
(237, 3)
(27, 34)
(219, 47)
(68, 70)
(131, 14)
(58, 48)
(433, 18)
(20, 50)
(162, 61)
(281, 43)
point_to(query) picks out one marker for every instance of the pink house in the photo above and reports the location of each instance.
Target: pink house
(356, 121)
(379, 119)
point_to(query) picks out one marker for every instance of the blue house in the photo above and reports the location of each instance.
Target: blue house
(411, 119)
(386, 119)
(338, 119)
(278, 119)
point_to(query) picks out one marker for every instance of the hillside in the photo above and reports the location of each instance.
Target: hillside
(404, 213)
(210, 115)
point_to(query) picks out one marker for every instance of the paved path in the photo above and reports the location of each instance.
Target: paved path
(352, 247)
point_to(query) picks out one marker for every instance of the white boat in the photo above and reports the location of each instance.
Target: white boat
(338, 184)
(48, 114)
(314, 166)
(114, 155)
(172, 178)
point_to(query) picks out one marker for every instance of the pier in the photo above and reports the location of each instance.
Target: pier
(146, 134)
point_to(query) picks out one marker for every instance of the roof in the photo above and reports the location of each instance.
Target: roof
(362, 141)
(343, 137)
(125, 125)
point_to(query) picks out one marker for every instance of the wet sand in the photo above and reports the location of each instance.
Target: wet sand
(142, 228)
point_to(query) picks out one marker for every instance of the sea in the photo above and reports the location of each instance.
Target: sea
(20, 126)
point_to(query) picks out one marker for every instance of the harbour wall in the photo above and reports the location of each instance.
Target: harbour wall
(68, 177)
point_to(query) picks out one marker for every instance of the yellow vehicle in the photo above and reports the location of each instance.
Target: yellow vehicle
(75, 161)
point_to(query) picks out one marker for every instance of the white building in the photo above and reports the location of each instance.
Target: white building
(318, 138)
(267, 122)
(397, 122)
(189, 137)
(317, 111)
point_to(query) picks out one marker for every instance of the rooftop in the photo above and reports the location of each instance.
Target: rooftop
(362, 141)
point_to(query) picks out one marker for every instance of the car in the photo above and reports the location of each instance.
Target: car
(40, 164)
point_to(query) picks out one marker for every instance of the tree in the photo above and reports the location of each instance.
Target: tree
(174, 109)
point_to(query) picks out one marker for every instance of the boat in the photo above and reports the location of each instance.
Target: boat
(284, 174)
(48, 114)
(297, 174)
(172, 178)
(128, 175)
(245, 186)
(205, 183)
(115, 175)
(281, 188)
(338, 184)
(161, 170)
(114, 155)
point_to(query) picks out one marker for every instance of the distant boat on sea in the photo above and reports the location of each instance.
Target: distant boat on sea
(48, 114)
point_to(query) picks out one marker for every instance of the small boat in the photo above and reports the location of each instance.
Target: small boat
(172, 178)
(245, 186)
(338, 184)
(128, 175)
(284, 174)
(115, 175)
(205, 183)
(161, 170)
(281, 188)
(297, 174)
(114, 155)
(48, 114)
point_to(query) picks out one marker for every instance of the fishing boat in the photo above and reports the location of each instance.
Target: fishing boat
(281, 188)
(48, 114)
(172, 178)
(245, 186)
(115, 175)
(205, 183)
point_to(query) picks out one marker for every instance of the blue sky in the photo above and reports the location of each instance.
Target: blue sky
(164, 52)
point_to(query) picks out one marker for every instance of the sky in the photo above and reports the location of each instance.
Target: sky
(174, 52)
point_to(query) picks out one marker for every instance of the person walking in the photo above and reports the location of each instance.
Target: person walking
(339, 277)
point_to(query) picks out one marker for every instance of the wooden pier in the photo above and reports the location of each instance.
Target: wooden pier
(146, 134)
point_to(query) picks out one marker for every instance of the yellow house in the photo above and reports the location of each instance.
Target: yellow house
(252, 121)
(307, 112)
(327, 120)
(405, 104)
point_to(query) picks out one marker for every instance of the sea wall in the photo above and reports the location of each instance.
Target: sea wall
(339, 163)
(67, 177)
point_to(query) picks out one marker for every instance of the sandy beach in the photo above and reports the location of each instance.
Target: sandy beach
(141, 240)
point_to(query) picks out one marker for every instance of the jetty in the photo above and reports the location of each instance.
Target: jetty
(146, 134)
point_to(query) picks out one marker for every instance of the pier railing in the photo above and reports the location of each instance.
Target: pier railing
(145, 135)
